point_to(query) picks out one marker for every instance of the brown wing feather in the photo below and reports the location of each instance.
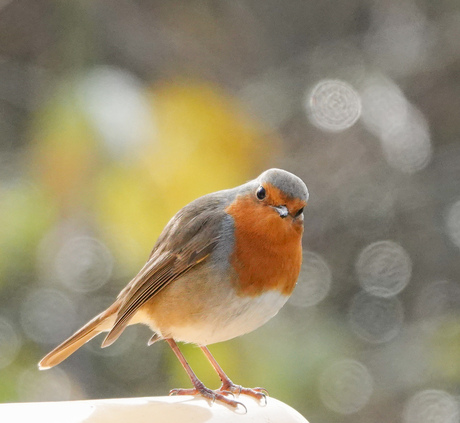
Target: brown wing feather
(188, 239)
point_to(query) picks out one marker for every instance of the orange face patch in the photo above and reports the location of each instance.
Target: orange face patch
(268, 249)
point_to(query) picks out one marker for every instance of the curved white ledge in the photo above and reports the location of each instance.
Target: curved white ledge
(150, 409)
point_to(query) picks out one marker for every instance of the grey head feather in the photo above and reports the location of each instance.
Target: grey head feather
(285, 181)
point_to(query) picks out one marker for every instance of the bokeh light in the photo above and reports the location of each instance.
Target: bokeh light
(408, 148)
(376, 319)
(333, 105)
(346, 386)
(83, 264)
(117, 105)
(401, 128)
(385, 108)
(314, 283)
(384, 268)
(431, 406)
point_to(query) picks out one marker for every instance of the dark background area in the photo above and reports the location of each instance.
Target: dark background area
(113, 115)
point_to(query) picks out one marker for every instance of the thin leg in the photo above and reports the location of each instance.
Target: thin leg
(199, 388)
(228, 385)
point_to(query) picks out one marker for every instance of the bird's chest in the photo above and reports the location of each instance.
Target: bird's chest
(266, 257)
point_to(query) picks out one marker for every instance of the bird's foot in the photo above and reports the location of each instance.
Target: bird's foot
(214, 396)
(228, 387)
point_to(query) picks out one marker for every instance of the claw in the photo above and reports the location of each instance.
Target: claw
(263, 392)
(242, 405)
(264, 396)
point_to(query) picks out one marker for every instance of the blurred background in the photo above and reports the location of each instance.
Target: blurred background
(113, 115)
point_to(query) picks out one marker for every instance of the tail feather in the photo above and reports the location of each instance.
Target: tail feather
(100, 323)
(114, 334)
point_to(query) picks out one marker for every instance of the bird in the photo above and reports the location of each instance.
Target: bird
(222, 267)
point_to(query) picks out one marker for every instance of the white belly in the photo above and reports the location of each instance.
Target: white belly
(242, 315)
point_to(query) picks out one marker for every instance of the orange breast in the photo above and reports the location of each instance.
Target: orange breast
(268, 249)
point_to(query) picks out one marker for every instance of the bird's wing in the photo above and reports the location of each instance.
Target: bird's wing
(187, 240)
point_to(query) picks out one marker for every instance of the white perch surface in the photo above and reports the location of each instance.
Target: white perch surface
(149, 410)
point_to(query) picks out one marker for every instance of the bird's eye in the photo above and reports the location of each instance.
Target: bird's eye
(299, 212)
(260, 193)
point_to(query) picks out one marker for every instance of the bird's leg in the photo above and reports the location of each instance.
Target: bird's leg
(199, 388)
(228, 386)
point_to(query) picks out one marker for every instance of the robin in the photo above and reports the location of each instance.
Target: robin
(223, 266)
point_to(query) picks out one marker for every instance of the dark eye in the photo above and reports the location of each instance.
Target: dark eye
(260, 193)
(299, 212)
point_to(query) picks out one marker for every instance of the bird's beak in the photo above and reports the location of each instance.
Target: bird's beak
(282, 210)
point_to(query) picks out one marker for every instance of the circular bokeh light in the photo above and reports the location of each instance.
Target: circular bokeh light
(333, 105)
